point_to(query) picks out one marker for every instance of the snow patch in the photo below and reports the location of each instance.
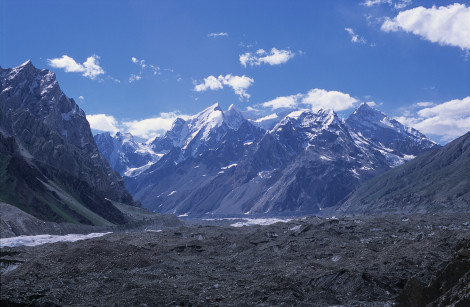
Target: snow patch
(263, 222)
(44, 239)
(229, 166)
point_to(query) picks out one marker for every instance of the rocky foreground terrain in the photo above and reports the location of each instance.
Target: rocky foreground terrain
(358, 261)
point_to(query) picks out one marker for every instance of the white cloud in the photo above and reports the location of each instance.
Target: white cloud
(133, 78)
(446, 25)
(447, 120)
(103, 122)
(239, 84)
(90, 68)
(215, 35)
(320, 98)
(151, 127)
(146, 128)
(316, 99)
(355, 38)
(81, 98)
(283, 102)
(274, 57)
(155, 70)
(424, 104)
(396, 4)
(210, 83)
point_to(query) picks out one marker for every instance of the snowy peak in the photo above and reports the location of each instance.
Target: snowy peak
(233, 117)
(208, 126)
(308, 119)
(371, 127)
(124, 153)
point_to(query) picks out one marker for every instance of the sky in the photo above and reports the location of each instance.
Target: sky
(135, 66)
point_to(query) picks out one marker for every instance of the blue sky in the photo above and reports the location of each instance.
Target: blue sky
(136, 65)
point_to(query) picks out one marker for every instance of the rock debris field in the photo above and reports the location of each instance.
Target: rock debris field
(355, 261)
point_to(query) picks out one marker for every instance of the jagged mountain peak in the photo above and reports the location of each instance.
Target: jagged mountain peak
(306, 118)
(28, 63)
(198, 129)
(374, 130)
(53, 129)
(366, 113)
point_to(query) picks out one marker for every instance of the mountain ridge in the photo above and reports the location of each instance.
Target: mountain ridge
(307, 162)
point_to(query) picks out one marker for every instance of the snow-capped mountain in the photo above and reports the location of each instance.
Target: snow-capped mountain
(266, 122)
(124, 154)
(200, 132)
(50, 127)
(375, 130)
(306, 162)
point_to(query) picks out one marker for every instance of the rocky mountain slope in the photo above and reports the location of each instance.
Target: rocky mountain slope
(50, 127)
(48, 193)
(435, 181)
(50, 166)
(219, 163)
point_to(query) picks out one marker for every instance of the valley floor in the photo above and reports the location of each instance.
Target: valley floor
(312, 261)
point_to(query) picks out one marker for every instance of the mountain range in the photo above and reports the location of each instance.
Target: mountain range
(220, 163)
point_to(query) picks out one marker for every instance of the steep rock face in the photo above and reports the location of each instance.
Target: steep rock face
(50, 127)
(398, 143)
(436, 181)
(48, 193)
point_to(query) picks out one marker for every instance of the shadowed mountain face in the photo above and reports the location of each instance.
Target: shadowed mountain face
(437, 181)
(50, 128)
(48, 193)
(219, 163)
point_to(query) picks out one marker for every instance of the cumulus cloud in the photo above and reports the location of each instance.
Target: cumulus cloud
(216, 35)
(447, 120)
(210, 83)
(155, 70)
(274, 57)
(445, 25)
(320, 98)
(239, 84)
(355, 38)
(315, 99)
(81, 98)
(283, 102)
(151, 127)
(103, 122)
(90, 68)
(146, 128)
